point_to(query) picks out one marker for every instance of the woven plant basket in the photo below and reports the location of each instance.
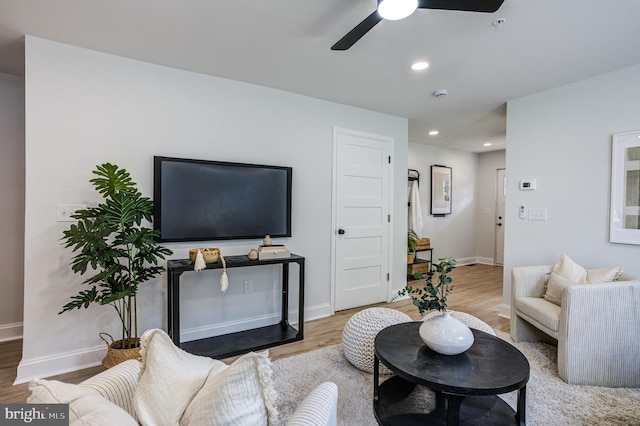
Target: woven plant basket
(115, 353)
(211, 254)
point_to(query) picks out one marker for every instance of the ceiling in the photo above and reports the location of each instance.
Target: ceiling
(285, 44)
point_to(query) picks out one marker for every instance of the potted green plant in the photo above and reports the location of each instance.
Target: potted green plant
(432, 296)
(412, 239)
(441, 333)
(113, 248)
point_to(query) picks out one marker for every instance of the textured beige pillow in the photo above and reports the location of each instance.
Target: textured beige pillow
(241, 394)
(603, 275)
(555, 286)
(169, 379)
(566, 273)
(570, 270)
(86, 407)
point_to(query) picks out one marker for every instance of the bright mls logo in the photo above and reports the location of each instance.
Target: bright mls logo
(36, 414)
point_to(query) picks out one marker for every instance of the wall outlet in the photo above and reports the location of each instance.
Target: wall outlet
(66, 210)
(248, 286)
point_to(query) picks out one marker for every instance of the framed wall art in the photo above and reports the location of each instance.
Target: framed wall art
(624, 221)
(440, 190)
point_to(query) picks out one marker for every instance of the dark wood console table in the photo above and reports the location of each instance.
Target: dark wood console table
(240, 342)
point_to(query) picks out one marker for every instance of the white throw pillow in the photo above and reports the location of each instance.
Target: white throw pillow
(555, 286)
(603, 275)
(242, 394)
(169, 379)
(86, 407)
(566, 273)
(570, 270)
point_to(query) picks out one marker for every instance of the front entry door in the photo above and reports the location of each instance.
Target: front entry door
(361, 218)
(501, 186)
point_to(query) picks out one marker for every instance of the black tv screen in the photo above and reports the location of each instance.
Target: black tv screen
(199, 200)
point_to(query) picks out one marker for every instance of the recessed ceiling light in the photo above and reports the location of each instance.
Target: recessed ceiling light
(433, 132)
(419, 66)
(487, 144)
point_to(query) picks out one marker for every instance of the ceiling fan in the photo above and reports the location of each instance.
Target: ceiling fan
(399, 9)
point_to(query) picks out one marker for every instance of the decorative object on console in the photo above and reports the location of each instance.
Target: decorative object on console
(209, 255)
(200, 257)
(121, 253)
(266, 241)
(444, 334)
(253, 254)
(273, 252)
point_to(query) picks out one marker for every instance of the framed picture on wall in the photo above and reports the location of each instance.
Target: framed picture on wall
(440, 190)
(624, 220)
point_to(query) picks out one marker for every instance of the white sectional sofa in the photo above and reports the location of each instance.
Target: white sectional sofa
(171, 387)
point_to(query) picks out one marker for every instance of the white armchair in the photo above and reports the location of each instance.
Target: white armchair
(596, 328)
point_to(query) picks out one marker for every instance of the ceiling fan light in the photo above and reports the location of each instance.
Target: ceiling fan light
(396, 9)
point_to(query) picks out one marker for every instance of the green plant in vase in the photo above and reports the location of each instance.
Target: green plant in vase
(432, 295)
(114, 249)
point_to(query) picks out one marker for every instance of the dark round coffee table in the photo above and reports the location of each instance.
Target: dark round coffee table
(465, 385)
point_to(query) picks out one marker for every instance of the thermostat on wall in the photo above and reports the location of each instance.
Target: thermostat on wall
(526, 184)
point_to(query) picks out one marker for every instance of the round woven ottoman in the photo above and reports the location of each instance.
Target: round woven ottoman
(469, 320)
(360, 332)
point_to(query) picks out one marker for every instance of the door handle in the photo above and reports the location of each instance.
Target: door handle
(341, 231)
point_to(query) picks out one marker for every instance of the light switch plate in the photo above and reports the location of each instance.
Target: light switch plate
(537, 214)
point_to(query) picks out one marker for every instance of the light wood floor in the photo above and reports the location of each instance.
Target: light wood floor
(477, 290)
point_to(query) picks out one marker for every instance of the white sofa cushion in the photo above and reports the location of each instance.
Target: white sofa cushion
(117, 384)
(242, 394)
(169, 379)
(176, 387)
(86, 406)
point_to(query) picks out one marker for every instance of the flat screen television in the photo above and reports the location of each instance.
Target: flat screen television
(200, 200)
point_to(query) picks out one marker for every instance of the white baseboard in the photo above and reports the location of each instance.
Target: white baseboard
(77, 360)
(504, 311)
(471, 260)
(10, 332)
(59, 364)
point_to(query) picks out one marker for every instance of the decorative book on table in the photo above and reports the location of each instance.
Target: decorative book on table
(273, 252)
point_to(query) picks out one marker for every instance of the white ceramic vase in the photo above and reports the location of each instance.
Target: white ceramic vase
(445, 334)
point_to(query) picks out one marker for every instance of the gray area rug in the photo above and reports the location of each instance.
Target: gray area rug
(550, 401)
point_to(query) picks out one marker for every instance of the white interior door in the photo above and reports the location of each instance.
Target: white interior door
(501, 191)
(361, 218)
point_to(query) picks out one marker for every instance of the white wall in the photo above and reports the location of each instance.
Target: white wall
(488, 164)
(85, 107)
(562, 137)
(453, 235)
(12, 205)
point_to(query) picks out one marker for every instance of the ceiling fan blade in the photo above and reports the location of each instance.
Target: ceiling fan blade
(487, 6)
(356, 34)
